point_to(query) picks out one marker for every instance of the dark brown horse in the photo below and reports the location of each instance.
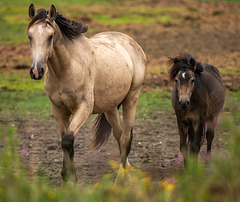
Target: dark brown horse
(197, 98)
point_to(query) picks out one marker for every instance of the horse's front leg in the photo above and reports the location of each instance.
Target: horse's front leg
(183, 130)
(196, 144)
(62, 117)
(79, 118)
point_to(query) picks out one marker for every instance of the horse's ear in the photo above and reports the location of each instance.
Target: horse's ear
(31, 11)
(175, 60)
(192, 63)
(199, 68)
(52, 13)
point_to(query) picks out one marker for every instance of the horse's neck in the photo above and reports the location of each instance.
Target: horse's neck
(64, 52)
(59, 59)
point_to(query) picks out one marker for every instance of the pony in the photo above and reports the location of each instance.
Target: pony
(85, 76)
(197, 99)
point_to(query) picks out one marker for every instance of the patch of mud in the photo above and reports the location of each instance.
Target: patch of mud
(155, 149)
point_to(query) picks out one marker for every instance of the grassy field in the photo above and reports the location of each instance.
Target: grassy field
(22, 98)
(15, 19)
(14, 14)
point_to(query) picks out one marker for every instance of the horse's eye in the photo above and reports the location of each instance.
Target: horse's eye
(30, 38)
(50, 38)
(193, 80)
(176, 80)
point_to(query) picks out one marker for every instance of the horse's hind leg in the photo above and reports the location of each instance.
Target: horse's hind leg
(209, 137)
(116, 124)
(129, 110)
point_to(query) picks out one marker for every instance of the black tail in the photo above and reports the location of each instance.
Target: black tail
(102, 131)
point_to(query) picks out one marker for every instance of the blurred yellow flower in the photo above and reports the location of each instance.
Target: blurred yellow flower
(168, 183)
(97, 185)
(114, 164)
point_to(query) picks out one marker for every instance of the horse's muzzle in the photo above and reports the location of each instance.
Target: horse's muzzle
(184, 104)
(37, 72)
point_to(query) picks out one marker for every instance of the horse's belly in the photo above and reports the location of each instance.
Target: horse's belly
(109, 96)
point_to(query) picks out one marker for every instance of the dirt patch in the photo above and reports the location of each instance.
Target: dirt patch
(155, 149)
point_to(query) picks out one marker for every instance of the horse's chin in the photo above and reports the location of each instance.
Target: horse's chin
(38, 78)
(184, 109)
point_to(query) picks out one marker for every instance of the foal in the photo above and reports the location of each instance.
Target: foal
(197, 98)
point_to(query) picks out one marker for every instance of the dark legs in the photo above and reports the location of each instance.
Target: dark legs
(68, 169)
(68, 130)
(194, 140)
(183, 140)
(196, 143)
(209, 136)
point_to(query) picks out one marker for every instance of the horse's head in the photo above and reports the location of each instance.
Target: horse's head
(184, 80)
(40, 33)
(183, 71)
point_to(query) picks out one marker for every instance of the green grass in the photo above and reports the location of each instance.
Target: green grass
(22, 98)
(228, 1)
(139, 15)
(14, 16)
(151, 101)
(54, 2)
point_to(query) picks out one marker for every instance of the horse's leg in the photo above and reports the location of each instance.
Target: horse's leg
(196, 144)
(209, 137)
(115, 122)
(191, 134)
(78, 119)
(62, 118)
(129, 110)
(183, 130)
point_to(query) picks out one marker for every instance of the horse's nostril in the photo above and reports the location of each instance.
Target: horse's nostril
(179, 103)
(187, 103)
(31, 73)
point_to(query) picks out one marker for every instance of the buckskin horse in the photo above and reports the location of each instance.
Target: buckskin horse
(86, 76)
(197, 98)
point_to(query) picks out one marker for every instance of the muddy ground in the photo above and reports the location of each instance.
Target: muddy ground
(211, 34)
(155, 149)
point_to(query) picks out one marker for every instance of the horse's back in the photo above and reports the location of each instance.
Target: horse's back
(212, 70)
(121, 43)
(211, 79)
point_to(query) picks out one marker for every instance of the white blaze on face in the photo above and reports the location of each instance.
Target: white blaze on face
(40, 30)
(184, 75)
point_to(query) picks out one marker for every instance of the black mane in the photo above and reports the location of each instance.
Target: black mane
(183, 62)
(69, 28)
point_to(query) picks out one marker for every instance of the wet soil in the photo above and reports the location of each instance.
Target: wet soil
(155, 150)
